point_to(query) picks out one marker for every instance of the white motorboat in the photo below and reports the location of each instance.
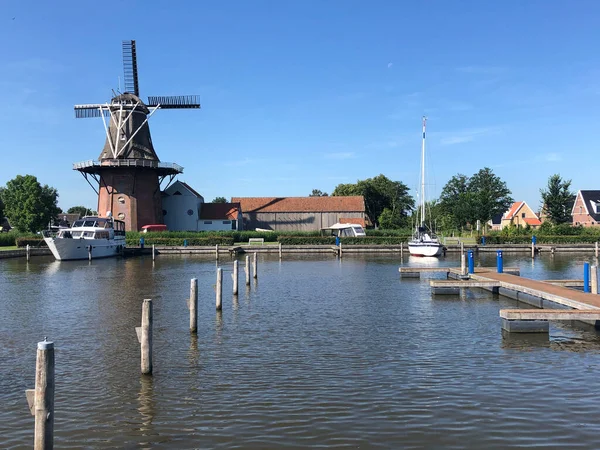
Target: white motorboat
(98, 237)
(424, 241)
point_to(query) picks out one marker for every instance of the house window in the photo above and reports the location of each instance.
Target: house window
(523, 215)
(208, 222)
(190, 212)
(226, 222)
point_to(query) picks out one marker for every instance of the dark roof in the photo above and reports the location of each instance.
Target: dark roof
(189, 188)
(219, 211)
(301, 204)
(497, 219)
(588, 198)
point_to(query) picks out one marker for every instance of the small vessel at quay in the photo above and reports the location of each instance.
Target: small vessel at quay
(424, 241)
(98, 237)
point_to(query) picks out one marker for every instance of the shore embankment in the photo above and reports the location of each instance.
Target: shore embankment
(324, 249)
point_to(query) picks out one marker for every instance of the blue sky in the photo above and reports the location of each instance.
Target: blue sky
(298, 95)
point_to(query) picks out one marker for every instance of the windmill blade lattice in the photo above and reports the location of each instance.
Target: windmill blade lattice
(130, 69)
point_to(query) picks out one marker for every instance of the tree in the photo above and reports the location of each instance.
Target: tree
(490, 194)
(455, 200)
(1, 207)
(477, 198)
(380, 193)
(219, 200)
(557, 200)
(318, 193)
(29, 206)
(81, 210)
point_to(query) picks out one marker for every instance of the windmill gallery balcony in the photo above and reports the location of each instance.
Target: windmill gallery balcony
(163, 168)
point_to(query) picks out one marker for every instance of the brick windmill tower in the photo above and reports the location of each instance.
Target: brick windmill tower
(128, 173)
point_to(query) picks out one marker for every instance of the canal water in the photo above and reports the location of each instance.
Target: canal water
(318, 353)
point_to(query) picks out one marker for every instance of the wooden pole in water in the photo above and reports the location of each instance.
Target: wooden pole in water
(235, 277)
(247, 270)
(41, 399)
(153, 252)
(89, 252)
(193, 304)
(596, 250)
(594, 279)
(255, 266)
(340, 249)
(462, 248)
(280, 253)
(27, 252)
(144, 334)
(401, 250)
(217, 251)
(219, 303)
(463, 264)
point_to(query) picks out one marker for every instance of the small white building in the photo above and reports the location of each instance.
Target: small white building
(184, 210)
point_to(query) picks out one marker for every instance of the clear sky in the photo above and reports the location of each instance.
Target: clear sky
(298, 95)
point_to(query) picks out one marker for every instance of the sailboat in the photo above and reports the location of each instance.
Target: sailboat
(424, 242)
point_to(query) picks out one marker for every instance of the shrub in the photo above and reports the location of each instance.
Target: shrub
(150, 238)
(32, 242)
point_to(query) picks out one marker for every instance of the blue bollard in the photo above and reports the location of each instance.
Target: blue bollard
(337, 241)
(533, 240)
(499, 261)
(471, 262)
(141, 242)
(482, 240)
(586, 277)
(185, 242)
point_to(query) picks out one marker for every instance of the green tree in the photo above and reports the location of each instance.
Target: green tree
(81, 210)
(557, 200)
(219, 200)
(1, 207)
(490, 194)
(318, 193)
(380, 193)
(456, 201)
(29, 206)
(477, 198)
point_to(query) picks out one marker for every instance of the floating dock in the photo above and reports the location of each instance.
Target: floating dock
(556, 299)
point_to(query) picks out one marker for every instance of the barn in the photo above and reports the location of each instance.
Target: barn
(299, 213)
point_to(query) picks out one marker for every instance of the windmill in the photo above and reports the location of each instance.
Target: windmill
(128, 172)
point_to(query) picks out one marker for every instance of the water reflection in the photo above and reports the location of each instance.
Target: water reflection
(147, 405)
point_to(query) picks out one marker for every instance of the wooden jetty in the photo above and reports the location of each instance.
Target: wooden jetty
(556, 299)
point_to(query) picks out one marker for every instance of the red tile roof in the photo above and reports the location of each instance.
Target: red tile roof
(219, 211)
(532, 221)
(354, 220)
(513, 210)
(301, 204)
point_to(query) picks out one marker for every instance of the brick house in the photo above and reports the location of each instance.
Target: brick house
(586, 209)
(520, 215)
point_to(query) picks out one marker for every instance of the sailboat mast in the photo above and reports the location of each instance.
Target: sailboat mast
(423, 174)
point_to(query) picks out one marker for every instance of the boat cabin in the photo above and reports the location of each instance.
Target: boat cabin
(344, 230)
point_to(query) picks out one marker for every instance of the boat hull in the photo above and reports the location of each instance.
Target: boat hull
(72, 249)
(425, 248)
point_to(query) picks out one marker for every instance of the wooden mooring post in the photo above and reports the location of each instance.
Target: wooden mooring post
(144, 334)
(280, 251)
(235, 277)
(596, 249)
(340, 252)
(41, 399)
(247, 270)
(153, 252)
(463, 264)
(533, 250)
(219, 290)
(401, 250)
(193, 305)
(594, 279)
(89, 252)
(28, 252)
(255, 266)
(217, 251)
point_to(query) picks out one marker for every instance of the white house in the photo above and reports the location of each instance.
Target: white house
(184, 210)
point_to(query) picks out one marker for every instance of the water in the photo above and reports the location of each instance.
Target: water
(319, 353)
